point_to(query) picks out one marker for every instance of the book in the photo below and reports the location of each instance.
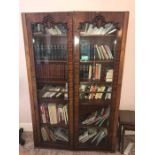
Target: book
(99, 89)
(101, 53)
(61, 134)
(85, 49)
(90, 29)
(92, 92)
(90, 72)
(104, 52)
(109, 75)
(52, 113)
(98, 72)
(45, 134)
(107, 48)
(43, 113)
(98, 52)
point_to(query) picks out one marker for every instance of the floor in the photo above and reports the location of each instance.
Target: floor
(28, 148)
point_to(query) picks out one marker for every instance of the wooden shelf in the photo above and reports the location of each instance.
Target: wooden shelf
(58, 144)
(53, 61)
(51, 81)
(92, 126)
(95, 92)
(94, 102)
(40, 34)
(53, 100)
(97, 61)
(97, 35)
(62, 125)
(95, 81)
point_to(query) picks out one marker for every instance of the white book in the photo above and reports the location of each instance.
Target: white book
(112, 31)
(108, 27)
(90, 72)
(109, 51)
(64, 114)
(102, 135)
(52, 113)
(89, 137)
(98, 134)
(58, 30)
(128, 149)
(52, 94)
(100, 30)
(104, 52)
(46, 94)
(90, 29)
(101, 52)
(84, 135)
(95, 30)
(98, 52)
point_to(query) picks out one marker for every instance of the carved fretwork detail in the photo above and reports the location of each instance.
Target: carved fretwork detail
(49, 22)
(99, 21)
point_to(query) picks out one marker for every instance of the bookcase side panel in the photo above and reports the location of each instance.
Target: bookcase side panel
(31, 78)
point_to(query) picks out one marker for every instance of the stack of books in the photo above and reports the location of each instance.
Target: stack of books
(49, 91)
(54, 134)
(104, 52)
(54, 114)
(92, 135)
(89, 29)
(97, 117)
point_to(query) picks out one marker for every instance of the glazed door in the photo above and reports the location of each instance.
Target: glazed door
(50, 56)
(97, 41)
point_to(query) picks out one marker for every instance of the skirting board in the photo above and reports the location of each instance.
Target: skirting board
(26, 126)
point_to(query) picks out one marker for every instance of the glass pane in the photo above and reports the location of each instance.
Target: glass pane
(51, 63)
(97, 55)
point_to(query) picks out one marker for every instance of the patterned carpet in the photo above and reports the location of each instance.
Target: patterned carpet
(28, 148)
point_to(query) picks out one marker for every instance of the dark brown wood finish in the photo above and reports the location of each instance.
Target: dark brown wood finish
(44, 75)
(57, 18)
(116, 17)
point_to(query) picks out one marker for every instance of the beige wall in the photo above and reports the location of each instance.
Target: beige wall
(128, 92)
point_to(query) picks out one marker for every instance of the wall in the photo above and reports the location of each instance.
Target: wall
(128, 92)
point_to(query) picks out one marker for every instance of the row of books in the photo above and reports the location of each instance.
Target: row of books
(50, 91)
(94, 91)
(93, 135)
(57, 71)
(94, 72)
(49, 51)
(104, 52)
(54, 113)
(98, 117)
(58, 29)
(54, 134)
(90, 51)
(90, 71)
(90, 29)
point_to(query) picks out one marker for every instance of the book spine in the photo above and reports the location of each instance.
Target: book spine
(104, 52)
(99, 55)
(90, 72)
